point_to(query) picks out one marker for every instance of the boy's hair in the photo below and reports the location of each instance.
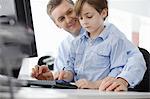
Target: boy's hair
(52, 4)
(99, 5)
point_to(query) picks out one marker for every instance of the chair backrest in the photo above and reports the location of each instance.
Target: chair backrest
(144, 85)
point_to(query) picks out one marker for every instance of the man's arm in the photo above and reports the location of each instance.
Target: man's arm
(42, 73)
(63, 52)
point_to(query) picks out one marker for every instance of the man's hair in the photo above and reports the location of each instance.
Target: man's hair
(52, 4)
(99, 5)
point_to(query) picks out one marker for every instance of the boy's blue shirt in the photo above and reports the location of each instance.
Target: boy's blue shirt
(110, 54)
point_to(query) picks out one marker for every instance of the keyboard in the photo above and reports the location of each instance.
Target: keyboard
(62, 84)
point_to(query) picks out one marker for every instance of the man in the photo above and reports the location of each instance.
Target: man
(61, 12)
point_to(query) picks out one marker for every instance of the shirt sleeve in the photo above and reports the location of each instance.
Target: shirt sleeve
(71, 57)
(118, 58)
(63, 52)
(59, 62)
(135, 68)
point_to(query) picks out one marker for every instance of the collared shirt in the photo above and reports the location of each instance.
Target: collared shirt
(106, 55)
(63, 52)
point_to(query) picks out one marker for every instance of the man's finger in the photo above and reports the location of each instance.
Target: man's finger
(33, 74)
(48, 76)
(36, 68)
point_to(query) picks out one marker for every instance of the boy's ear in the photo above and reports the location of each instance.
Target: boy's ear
(104, 12)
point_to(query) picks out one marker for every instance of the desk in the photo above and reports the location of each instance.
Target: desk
(45, 93)
(26, 67)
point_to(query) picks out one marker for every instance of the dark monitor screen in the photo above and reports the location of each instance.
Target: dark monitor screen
(17, 38)
(24, 16)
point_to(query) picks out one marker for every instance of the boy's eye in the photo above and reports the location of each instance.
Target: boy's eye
(89, 17)
(69, 12)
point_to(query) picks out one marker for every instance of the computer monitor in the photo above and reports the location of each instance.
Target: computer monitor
(17, 39)
(24, 16)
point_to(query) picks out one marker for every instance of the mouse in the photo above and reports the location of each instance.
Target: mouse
(45, 60)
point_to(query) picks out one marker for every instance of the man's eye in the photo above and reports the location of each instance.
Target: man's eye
(69, 12)
(61, 19)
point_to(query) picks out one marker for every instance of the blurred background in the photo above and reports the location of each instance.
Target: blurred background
(132, 17)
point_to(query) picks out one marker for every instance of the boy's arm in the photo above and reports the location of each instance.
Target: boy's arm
(135, 68)
(130, 75)
(118, 59)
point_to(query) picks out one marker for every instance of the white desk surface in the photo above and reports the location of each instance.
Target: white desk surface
(47, 93)
(26, 68)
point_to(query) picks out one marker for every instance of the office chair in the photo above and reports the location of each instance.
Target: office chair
(144, 85)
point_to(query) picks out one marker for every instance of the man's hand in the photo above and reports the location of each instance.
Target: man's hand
(113, 84)
(42, 73)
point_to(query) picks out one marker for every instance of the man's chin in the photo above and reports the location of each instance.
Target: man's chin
(75, 33)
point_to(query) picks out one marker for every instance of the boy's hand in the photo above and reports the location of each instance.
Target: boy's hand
(113, 84)
(83, 83)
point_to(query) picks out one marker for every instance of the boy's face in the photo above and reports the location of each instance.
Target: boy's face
(90, 19)
(65, 17)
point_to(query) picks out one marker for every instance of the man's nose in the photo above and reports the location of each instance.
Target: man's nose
(68, 19)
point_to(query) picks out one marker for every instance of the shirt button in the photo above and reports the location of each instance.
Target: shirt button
(132, 82)
(90, 44)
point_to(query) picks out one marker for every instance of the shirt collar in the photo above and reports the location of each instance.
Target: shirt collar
(104, 34)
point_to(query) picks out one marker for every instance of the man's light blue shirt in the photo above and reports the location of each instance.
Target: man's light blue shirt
(63, 52)
(110, 54)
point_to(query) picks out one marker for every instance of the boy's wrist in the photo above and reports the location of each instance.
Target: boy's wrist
(123, 81)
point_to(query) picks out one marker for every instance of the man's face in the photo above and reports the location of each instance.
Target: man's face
(65, 17)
